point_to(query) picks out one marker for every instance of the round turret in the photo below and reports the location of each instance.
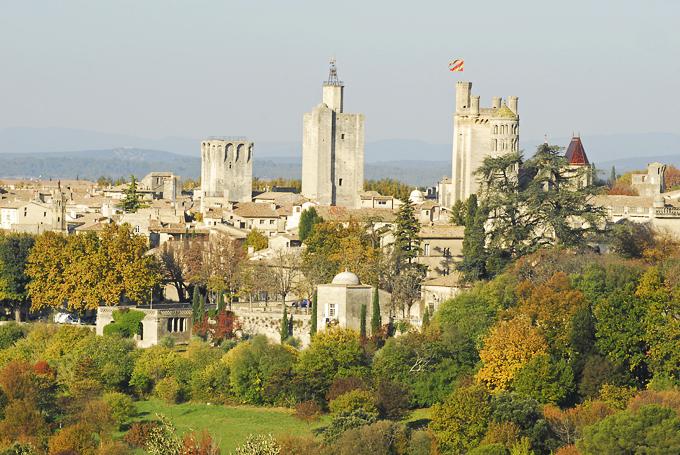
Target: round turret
(346, 278)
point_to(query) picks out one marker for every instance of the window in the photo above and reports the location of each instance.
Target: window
(426, 249)
(271, 221)
(340, 182)
(261, 221)
(44, 214)
(331, 310)
(342, 136)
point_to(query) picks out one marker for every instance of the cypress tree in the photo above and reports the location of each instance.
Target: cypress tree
(612, 177)
(290, 325)
(195, 304)
(473, 264)
(314, 313)
(426, 317)
(376, 322)
(220, 302)
(362, 327)
(406, 231)
(201, 307)
(284, 325)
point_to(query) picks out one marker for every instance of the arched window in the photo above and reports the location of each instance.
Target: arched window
(495, 129)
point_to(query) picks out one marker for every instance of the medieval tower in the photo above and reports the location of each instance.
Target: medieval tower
(226, 171)
(333, 149)
(477, 134)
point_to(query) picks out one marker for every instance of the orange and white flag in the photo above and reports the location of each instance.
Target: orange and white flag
(456, 65)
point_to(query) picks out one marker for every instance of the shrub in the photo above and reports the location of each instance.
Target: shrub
(19, 449)
(138, 434)
(392, 400)
(340, 386)
(113, 448)
(205, 445)
(346, 421)
(299, 445)
(308, 411)
(489, 449)
(380, 438)
(259, 444)
(568, 450)
(167, 342)
(168, 390)
(126, 323)
(163, 439)
(211, 384)
(615, 396)
(77, 438)
(420, 443)
(122, 407)
(354, 400)
(9, 334)
(154, 364)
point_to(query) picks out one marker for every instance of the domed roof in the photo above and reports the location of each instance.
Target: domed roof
(346, 278)
(416, 196)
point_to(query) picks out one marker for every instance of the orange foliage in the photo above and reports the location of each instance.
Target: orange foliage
(567, 424)
(192, 445)
(17, 380)
(568, 450)
(23, 423)
(621, 189)
(506, 433)
(76, 438)
(672, 177)
(666, 398)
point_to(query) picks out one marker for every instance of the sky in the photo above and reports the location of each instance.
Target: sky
(159, 68)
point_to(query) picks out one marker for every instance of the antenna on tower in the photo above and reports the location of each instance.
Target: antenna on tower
(333, 74)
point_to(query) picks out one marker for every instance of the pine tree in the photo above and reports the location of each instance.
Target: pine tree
(130, 202)
(220, 302)
(362, 326)
(284, 325)
(473, 265)
(314, 314)
(196, 304)
(406, 242)
(376, 321)
(426, 317)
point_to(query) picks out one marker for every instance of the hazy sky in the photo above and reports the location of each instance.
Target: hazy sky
(194, 68)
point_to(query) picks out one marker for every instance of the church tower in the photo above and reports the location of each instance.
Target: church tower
(479, 132)
(333, 149)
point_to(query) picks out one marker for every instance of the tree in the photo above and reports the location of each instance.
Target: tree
(651, 429)
(473, 265)
(284, 326)
(389, 187)
(376, 318)
(224, 257)
(612, 177)
(406, 241)
(315, 311)
(630, 239)
(131, 201)
(196, 310)
(170, 258)
(14, 252)
(85, 271)
(545, 380)
(362, 322)
(308, 219)
(509, 346)
(257, 240)
(406, 289)
(285, 268)
(127, 323)
(220, 302)
(460, 422)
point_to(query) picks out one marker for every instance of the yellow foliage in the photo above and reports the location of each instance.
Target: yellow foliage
(509, 346)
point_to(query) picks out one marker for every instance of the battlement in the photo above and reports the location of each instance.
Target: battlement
(467, 104)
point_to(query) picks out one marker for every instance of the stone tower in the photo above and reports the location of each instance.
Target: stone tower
(479, 132)
(226, 170)
(333, 149)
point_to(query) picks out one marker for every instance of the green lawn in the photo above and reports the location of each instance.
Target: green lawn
(229, 425)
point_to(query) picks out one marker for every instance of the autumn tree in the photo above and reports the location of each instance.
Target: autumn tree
(508, 347)
(224, 258)
(285, 270)
(257, 240)
(85, 271)
(14, 252)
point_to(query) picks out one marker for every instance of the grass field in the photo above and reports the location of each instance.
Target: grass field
(229, 425)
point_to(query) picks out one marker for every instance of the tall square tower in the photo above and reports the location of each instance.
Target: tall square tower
(333, 149)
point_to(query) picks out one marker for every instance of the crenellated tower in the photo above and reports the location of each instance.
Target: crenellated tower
(227, 169)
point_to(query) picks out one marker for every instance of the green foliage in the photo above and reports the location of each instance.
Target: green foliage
(473, 265)
(154, 364)
(389, 187)
(376, 318)
(406, 241)
(261, 372)
(489, 449)
(379, 438)
(131, 201)
(121, 406)
(259, 444)
(651, 429)
(126, 323)
(196, 308)
(257, 240)
(545, 380)
(353, 400)
(526, 415)
(459, 212)
(362, 322)
(344, 421)
(10, 334)
(284, 330)
(308, 218)
(211, 383)
(459, 423)
(14, 252)
(315, 313)
(630, 239)
(333, 353)
(168, 389)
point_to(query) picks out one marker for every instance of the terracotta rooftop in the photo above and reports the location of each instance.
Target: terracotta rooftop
(576, 154)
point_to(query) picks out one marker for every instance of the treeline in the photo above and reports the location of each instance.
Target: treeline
(389, 187)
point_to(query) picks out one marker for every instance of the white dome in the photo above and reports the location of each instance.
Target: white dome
(416, 196)
(347, 278)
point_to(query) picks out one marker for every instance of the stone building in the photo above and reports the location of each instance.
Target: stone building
(651, 183)
(226, 171)
(478, 132)
(579, 170)
(163, 185)
(339, 303)
(333, 149)
(163, 320)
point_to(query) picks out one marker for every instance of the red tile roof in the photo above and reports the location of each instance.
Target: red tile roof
(576, 154)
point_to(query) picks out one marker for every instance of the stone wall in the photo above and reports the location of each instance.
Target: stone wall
(268, 323)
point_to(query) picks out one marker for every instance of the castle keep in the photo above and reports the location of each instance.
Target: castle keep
(333, 149)
(226, 170)
(479, 132)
